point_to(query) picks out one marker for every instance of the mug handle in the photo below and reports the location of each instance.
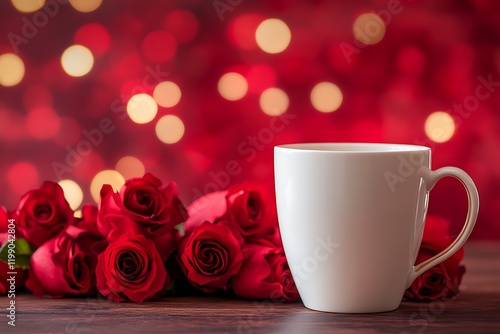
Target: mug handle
(430, 179)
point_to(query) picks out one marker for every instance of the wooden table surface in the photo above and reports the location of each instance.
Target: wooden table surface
(476, 310)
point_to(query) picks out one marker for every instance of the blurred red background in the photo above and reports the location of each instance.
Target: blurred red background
(199, 92)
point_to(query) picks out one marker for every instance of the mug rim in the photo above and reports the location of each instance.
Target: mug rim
(352, 148)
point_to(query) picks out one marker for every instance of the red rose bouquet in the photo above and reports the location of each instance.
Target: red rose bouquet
(138, 241)
(234, 233)
(143, 206)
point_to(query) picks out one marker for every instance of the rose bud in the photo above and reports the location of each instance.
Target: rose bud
(132, 269)
(211, 255)
(443, 280)
(43, 213)
(64, 265)
(143, 206)
(264, 274)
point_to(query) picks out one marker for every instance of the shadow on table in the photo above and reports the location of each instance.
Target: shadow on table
(477, 313)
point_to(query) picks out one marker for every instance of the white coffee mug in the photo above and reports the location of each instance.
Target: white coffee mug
(351, 218)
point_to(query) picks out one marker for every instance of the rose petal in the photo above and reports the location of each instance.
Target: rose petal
(210, 207)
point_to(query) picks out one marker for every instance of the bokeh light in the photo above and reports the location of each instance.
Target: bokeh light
(368, 28)
(411, 61)
(273, 36)
(180, 54)
(130, 167)
(22, 176)
(72, 192)
(274, 101)
(93, 36)
(43, 123)
(37, 95)
(182, 24)
(241, 30)
(159, 46)
(107, 176)
(77, 60)
(326, 97)
(169, 129)
(12, 128)
(85, 6)
(69, 132)
(28, 6)
(11, 69)
(232, 86)
(260, 77)
(142, 108)
(167, 94)
(439, 127)
(131, 87)
(87, 166)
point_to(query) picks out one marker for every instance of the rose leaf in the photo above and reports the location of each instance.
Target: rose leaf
(20, 253)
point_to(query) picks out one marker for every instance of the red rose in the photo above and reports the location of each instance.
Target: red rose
(251, 206)
(43, 213)
(211, 255)
(265, 274)
(143, 206)
(131, 269)
(444, 279)
(64, 265)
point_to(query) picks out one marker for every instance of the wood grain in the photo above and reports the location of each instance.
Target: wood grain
(476, 310)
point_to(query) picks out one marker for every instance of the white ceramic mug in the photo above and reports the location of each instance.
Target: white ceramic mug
(351, 218)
